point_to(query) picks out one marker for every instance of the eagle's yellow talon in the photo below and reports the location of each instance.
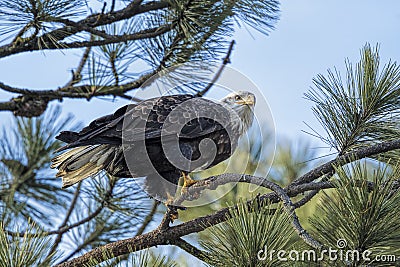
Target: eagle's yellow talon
(187, 181)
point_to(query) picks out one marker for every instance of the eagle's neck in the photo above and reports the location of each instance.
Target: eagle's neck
(246, 115)
(247, 119)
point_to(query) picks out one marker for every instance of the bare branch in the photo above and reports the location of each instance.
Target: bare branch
(201, 255)
(148, 218)
(225, 61)
(76, 75)
(66, 219)
(347, 158)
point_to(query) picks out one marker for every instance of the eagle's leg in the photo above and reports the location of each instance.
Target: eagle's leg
(187, 181)
(187, 152)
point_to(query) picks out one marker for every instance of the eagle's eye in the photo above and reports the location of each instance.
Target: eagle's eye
(237, 97)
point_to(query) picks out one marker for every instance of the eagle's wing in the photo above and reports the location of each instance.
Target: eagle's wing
(175, 115)
(183, 116)
(98, 131)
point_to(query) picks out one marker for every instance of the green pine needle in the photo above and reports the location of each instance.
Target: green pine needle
(28, 17)
(366, 220)
(237, 241)
(25, 152)
(364, 109)
(30, 250)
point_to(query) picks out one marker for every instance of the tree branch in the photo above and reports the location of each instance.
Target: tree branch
(76, 75)
(144, 34)
(148, 218)
(347, 158)
(10, 105)
(169, 235)
(34, 102)
(313, 193)
(66, 219)
(225, 61)
(92, 21)
(201, 255)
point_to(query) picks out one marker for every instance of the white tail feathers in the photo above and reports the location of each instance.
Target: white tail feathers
(79, 163)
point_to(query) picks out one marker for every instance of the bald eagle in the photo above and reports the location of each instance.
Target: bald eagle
(161, 138)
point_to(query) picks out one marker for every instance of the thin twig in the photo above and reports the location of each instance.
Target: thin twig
(83, 27)
(313, 193)
(108, 194)
(103, 202)
(148, 218)
(114, 68)
(66, 219)
(305, 199)
(76, 75)
(192, 250)
(290, 209)
(347, 158)
(225, 61)
(112, 6)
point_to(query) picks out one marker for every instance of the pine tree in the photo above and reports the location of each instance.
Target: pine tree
(349, 203)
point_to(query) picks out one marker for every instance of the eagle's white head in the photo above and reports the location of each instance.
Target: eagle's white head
(242, 103)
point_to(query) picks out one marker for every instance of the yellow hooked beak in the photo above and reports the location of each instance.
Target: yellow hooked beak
(248, 100)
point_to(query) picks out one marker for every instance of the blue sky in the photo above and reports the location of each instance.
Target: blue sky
(311, 36)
